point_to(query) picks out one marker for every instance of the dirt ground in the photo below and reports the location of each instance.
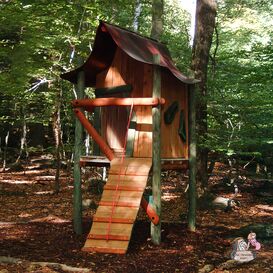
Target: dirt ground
(36, 226)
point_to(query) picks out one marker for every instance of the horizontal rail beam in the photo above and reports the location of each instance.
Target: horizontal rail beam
(87, 103)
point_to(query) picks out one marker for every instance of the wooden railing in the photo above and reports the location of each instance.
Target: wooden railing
(89, 104)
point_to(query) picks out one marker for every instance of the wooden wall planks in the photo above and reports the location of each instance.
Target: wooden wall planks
(125, 70)
(171, 144)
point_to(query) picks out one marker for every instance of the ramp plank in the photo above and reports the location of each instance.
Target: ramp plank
(118, 198)
(118, 215)
(104, 246)
(126, 182)
(118, 208)
(120, 231)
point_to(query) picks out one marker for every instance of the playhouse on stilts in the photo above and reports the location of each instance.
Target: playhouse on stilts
(142, 103)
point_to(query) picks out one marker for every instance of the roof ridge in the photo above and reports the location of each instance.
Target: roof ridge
(133, 32)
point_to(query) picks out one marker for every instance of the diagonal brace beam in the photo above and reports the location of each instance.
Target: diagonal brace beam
(94, 134)
(151, 213)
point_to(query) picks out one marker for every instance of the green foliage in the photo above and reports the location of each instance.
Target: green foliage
(41, 39)
(176, 35)
(240, 84)
(37, 39)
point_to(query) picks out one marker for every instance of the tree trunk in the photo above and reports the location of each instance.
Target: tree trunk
(58, 137)
(192, 161)
(156, 180)
(136, 15)
(77, 194)
(205, 23)
(156, 32)
(23, 140)
(5, 151)
(157, 21)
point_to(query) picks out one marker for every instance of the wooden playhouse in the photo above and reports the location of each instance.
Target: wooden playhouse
(142, 105)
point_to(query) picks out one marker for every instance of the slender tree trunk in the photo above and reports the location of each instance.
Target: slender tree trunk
(192, 161)
(136, 15)
(58, 137)
(87, 144)
(156, 180)
(77, 194)
(23, 140)
(205, 23)
(156, 32)
(5, 151)
(157, 21)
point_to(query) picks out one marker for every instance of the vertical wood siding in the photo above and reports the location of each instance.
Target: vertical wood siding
(125, 70)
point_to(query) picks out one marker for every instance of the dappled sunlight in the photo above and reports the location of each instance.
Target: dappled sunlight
(8, 181)
(168, 197)
(24, 215)
(69, 187)
(39, 223)
(50, 219)
(10, 231)
(44, 177)
(44, 192)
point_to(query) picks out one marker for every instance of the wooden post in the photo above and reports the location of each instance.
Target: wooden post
(77, 194)
(192, 161)
(156, 181)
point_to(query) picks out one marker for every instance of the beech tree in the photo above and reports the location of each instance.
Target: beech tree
(204, 28)
(157, 19)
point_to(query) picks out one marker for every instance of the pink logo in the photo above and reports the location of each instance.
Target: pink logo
(241, 249)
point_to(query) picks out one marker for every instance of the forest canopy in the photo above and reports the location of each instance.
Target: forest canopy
(42, 39)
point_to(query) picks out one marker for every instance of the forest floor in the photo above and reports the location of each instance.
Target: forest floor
(36, 226)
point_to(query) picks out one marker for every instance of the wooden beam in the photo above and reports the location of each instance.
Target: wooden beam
(156, 181)
(94, 134)
(96, 161)
(77, 193)
(192, 161)
(87, 103)
(149, 211)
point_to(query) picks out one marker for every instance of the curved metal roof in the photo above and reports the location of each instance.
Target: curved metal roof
(140, 48)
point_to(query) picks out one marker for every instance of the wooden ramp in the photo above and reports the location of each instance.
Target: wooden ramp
(113, 222)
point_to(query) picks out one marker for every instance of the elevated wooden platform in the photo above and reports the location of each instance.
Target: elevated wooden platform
(113, 222)
(96, 161)
(166, 163)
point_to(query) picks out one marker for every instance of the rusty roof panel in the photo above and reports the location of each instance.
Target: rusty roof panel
(140, 48)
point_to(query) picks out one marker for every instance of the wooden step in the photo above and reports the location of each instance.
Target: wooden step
(130, 166)
(130, 170)
(128, 204)
(116, 215)
(106, 246)
(126, 182)
(121, 198)
(131, 161)
(122, 188)
(111, 231)
(120, 194)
